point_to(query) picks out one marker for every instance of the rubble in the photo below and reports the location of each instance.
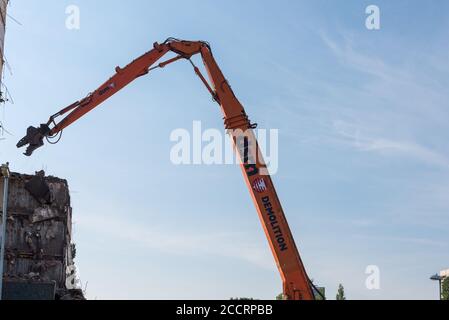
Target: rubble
(39, 251)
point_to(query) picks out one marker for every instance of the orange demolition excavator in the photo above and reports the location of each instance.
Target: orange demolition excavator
(296, 283)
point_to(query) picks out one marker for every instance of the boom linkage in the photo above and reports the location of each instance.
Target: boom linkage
(296, 284)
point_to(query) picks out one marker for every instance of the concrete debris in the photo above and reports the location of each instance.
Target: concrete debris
(38, 188)
(39, 251)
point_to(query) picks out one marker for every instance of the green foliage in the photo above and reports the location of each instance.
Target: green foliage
(341, 293)
(321, 294)
(445, 289)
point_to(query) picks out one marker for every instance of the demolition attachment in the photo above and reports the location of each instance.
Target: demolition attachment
(34, 138)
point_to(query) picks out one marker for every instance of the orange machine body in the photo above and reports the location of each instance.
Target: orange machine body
(296, 284)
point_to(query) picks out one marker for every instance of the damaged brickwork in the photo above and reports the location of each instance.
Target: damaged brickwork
(39, 249)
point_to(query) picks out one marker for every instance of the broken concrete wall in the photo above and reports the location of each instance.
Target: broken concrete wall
(39, 233)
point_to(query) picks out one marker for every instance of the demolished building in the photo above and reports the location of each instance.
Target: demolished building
(36, 236)
(39, 250)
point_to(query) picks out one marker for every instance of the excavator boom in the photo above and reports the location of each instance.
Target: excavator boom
(296, 284)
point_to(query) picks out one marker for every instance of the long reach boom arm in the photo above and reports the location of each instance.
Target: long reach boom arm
(296, 284)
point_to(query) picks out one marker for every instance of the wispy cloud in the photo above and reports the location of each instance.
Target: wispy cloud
(401, 104)
(371, 65)
(407, 240)
(403, 107)
(353, 136)
(172, 241)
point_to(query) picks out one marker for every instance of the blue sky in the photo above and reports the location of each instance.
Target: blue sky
(364, 161)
